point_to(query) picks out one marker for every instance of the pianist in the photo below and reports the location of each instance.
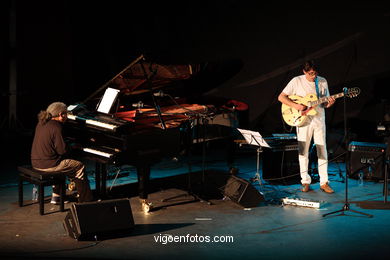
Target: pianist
(49, 149)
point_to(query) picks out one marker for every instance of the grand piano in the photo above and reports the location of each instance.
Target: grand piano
(145, 113)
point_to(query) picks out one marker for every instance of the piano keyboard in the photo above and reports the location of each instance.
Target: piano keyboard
(71, 117)
(97, 152)
(101, 124)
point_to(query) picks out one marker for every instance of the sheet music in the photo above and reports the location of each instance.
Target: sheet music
(253, 138)
(108, 100)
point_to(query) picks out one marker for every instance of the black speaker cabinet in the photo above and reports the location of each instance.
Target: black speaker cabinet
(96, 220)
(280, 163)
(242, 192)
(368, 158)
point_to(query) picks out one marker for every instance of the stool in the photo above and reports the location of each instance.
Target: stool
(42, 179)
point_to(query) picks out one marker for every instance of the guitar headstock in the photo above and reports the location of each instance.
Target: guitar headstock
(352, 92)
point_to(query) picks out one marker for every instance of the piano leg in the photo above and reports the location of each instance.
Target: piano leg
(97, 178)
(143, 174)
(101, 179)
(104, 180)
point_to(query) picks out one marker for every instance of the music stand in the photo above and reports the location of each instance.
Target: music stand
(255, 139)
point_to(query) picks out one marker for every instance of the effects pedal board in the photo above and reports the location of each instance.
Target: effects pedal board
(301, 202)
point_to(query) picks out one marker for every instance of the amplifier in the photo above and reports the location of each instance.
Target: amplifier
(368, 158)
(280, 163)
(366, 147)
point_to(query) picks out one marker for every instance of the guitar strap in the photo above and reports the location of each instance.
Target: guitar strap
(317, 90)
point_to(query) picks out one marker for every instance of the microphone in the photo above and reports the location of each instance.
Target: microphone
(160, 94)
(345, 90)
(139, 104)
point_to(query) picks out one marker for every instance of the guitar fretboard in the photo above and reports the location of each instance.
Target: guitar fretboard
(325, 99)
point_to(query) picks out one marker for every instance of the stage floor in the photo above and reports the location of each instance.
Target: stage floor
(213, 227)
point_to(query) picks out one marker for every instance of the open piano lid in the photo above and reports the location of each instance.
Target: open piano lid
(142, 76)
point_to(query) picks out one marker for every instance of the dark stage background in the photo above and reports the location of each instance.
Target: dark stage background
(65, 50)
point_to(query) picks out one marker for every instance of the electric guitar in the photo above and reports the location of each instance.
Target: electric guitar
(294, 117)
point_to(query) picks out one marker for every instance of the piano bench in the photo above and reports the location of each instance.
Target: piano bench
(41, 179)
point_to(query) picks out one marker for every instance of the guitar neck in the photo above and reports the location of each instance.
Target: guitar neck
(325, 99)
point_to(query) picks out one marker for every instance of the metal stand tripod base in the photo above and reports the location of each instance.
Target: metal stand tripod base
(194, 196)
(347, 208)
(181, 195)
(188, 193)
(257, 177)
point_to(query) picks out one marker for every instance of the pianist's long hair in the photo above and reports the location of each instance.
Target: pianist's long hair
(53, 110)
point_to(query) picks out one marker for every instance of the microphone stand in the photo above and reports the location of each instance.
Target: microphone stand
(204, 137)
(346, 206)
(385, 184)
(149, 82)
(190, 191)
(163, 126)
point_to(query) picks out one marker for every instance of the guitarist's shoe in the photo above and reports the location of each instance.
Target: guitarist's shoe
(305, 188)
(326, 188)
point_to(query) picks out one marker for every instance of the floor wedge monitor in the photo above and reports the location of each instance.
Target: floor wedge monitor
(98, 220)
(242, 192)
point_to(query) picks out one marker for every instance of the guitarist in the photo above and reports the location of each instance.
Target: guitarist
(314, 127)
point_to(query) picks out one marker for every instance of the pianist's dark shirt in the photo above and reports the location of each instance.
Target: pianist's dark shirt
(48, 145)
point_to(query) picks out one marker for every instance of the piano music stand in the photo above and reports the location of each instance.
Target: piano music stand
(255, 139)
(107, 101)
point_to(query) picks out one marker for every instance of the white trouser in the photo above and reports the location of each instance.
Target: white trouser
(304, 135)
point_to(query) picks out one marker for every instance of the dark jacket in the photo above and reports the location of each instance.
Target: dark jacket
(48, 146)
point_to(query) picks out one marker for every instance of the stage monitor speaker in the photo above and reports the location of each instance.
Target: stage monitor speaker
(97, 220)
(242, 192)
(368, 158)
